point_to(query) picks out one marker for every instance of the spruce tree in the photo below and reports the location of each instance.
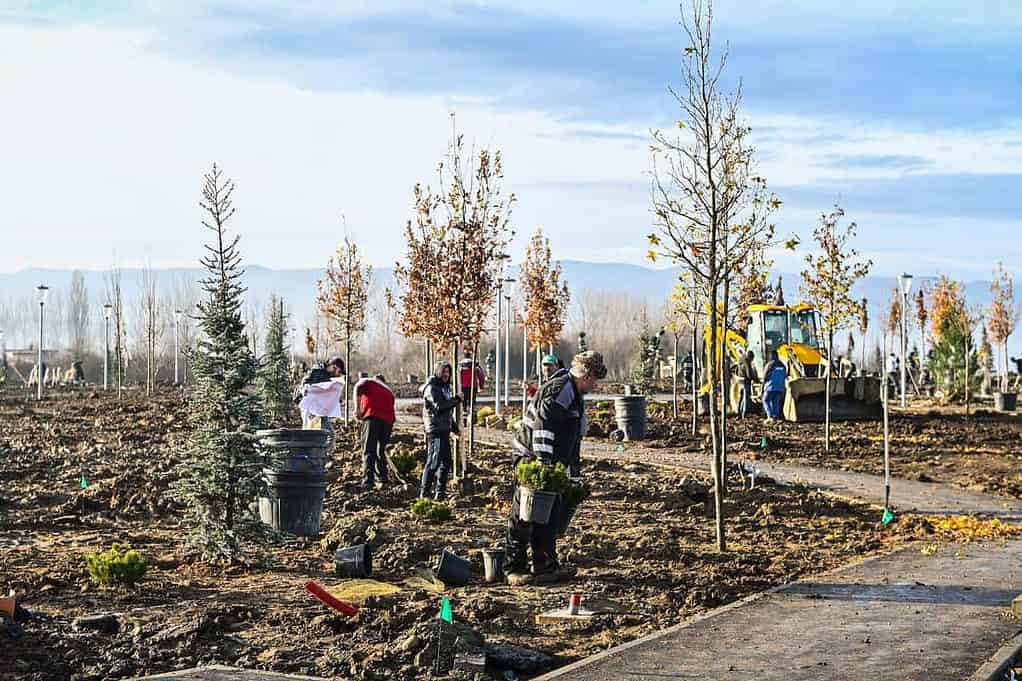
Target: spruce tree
(219, 476)
(275, 370)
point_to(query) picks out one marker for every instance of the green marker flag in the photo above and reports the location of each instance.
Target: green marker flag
(620, 448)
(445, 610)
(763, 444)
(85, 483)
(887, 517)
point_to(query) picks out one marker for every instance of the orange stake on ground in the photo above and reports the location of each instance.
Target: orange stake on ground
(327, 599)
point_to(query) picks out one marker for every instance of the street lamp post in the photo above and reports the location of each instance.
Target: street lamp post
(497, 368)
(905, 280)
(177, 346)
(42, 292)
(107, 312)
(507, 342)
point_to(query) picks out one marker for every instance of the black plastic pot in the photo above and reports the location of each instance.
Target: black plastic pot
(630, 414)
(294, 450)
(563, 520)
(535, 506)
(453, 570)
(493, 564)
(294, 501)
(354, 561)
(1005, 401)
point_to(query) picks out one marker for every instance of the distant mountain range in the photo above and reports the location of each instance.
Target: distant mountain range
(298, 286)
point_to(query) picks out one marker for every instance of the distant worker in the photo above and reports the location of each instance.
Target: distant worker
(847, 367)
(893, 367)
(471, 379)
(374, 407)
(322, 390)
(746, 374)
(775, 376)
(551, 431)
(551, 367)
(439, 423)
(687, 364)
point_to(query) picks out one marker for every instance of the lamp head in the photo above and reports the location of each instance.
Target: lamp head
(42, 293)
(905, 279)
(108, 311)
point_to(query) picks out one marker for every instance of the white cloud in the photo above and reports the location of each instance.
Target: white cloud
(110, 139)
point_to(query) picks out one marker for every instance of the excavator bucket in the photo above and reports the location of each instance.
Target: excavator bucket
(851, 399)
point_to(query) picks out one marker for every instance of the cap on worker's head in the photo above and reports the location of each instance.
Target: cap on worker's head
(589, 363)
(551, 359)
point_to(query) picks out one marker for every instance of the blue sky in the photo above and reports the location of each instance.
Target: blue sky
(906, 115)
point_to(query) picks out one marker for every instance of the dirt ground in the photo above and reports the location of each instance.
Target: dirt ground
(643, 542)
(982, 453)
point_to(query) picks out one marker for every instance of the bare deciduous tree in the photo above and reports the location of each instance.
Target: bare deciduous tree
(546, 296)
(710, 207)
(1003, 315)
(153, 321)
(342, 300)
(827, 283)
(78, 316)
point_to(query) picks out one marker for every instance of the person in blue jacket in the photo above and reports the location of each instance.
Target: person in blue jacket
(774, 378)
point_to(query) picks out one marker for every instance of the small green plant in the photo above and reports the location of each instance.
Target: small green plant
(114, 567)
(483, 414)
(534, 475)
(427, 509)
(404, 461)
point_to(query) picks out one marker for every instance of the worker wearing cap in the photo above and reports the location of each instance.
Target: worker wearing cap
(551, 431)
(552, 365)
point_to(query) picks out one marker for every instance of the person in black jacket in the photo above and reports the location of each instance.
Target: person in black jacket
(438, 422)
(551, 431)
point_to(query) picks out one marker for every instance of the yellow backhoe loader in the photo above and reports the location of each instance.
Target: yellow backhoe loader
(792, 332)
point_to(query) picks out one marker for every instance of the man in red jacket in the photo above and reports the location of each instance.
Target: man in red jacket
(375, 408)
(472, 378)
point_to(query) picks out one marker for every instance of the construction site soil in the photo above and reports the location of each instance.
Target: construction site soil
(643, 546)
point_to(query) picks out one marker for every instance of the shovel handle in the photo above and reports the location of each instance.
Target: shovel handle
(329, 600)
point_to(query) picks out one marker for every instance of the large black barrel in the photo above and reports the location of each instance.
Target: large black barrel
(293, 501)
(294, 463)
(294, 450)
(630, 414)
(1005, 401)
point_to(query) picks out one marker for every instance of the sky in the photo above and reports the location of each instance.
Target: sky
(327, 113)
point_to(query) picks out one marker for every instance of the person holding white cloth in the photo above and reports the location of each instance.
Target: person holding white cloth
(322, 392)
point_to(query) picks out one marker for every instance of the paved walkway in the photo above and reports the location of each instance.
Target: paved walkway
(904, 616)
(906, 495)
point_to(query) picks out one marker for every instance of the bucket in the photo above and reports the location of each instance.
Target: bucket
(630, 414)
(1005, 401)
(535, 506)
(294, 501)
(354, 561)
(563, 520)
(294, 450)
(493, 564)
(453, 570)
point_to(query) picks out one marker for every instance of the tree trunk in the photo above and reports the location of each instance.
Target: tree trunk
(347, 374)
(472, 412)
(725, 382)
(967, 376)
(695, 372)
(718, 493)
(456, 389)
(826, 406)
(674, 382)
